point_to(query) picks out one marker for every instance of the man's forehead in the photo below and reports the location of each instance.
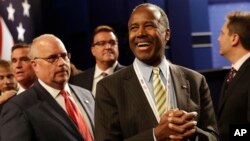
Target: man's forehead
(146, 11)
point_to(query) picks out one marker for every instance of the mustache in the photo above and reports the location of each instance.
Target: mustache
(63, 69)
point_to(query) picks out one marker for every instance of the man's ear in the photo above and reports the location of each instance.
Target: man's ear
(93, 51)
(235, 39)
(167, 35)
(33, 64)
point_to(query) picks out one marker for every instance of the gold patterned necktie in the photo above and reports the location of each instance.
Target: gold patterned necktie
(159, 92)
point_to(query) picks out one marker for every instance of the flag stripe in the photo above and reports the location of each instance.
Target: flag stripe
(6, 41)
(1, 37)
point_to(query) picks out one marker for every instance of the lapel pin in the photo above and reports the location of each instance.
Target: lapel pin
(86, 101)
(184, 87)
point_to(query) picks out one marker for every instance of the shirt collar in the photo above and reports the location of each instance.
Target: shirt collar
(109, 71)
(54, 92)
(147, 69)
(239, 63)
(20, 89)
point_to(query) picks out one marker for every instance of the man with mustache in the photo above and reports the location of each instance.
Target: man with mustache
(105, 50)
(51, 109)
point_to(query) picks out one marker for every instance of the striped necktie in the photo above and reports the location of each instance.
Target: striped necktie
(159, 92)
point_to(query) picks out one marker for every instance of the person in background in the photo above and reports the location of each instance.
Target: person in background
(52, 109)
(74, 70)
(8, 85)
(105, 50)
(21, 66)
(234, 104)
(153, 99)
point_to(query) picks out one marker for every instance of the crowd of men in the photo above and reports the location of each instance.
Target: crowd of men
(44, 97)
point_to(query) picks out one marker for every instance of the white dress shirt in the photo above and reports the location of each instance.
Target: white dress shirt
(98, 75)
(60, 100)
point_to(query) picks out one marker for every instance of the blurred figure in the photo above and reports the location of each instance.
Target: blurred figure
(105, 50)
(52, 109)
(21, 66)
(74, 71)
(234, 105)
(8, 84)
(153, 99)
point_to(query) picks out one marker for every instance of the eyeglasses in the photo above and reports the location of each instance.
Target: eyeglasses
(55, 57)
(103, 43)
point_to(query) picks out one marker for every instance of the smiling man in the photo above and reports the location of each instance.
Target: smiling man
(153, 99)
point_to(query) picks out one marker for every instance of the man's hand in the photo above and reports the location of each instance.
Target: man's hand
(6, 95)
(176, 125)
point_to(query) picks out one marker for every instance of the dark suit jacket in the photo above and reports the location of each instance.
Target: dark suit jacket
(34, 115)
(234, 105)
(86, 78)
(122, 111)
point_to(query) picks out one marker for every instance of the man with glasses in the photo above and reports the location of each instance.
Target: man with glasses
(105, 50)
(51, 109)
(21, 66)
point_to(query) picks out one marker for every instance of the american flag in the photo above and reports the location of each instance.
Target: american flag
(16, 24)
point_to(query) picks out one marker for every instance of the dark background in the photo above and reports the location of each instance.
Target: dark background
(74, 20)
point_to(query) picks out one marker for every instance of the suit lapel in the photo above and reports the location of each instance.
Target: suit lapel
(181, 86)
(60, 117)
(52, 108)
(226, 91)
(85, 103)
(133, 87)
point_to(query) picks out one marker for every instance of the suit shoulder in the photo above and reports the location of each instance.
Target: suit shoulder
(81, 90)
(186, 71)
(119, 67)
(24, 99)
(122, 72)
(82, 74)
(84, 79)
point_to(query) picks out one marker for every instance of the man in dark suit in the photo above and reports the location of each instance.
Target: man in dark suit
(21, 66)
(51, 109)
(234, 105)
(126, 107)
(105, 50)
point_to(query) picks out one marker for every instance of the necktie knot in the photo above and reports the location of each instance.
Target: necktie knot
(64, 93)
(104, 74)
(156, 70)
